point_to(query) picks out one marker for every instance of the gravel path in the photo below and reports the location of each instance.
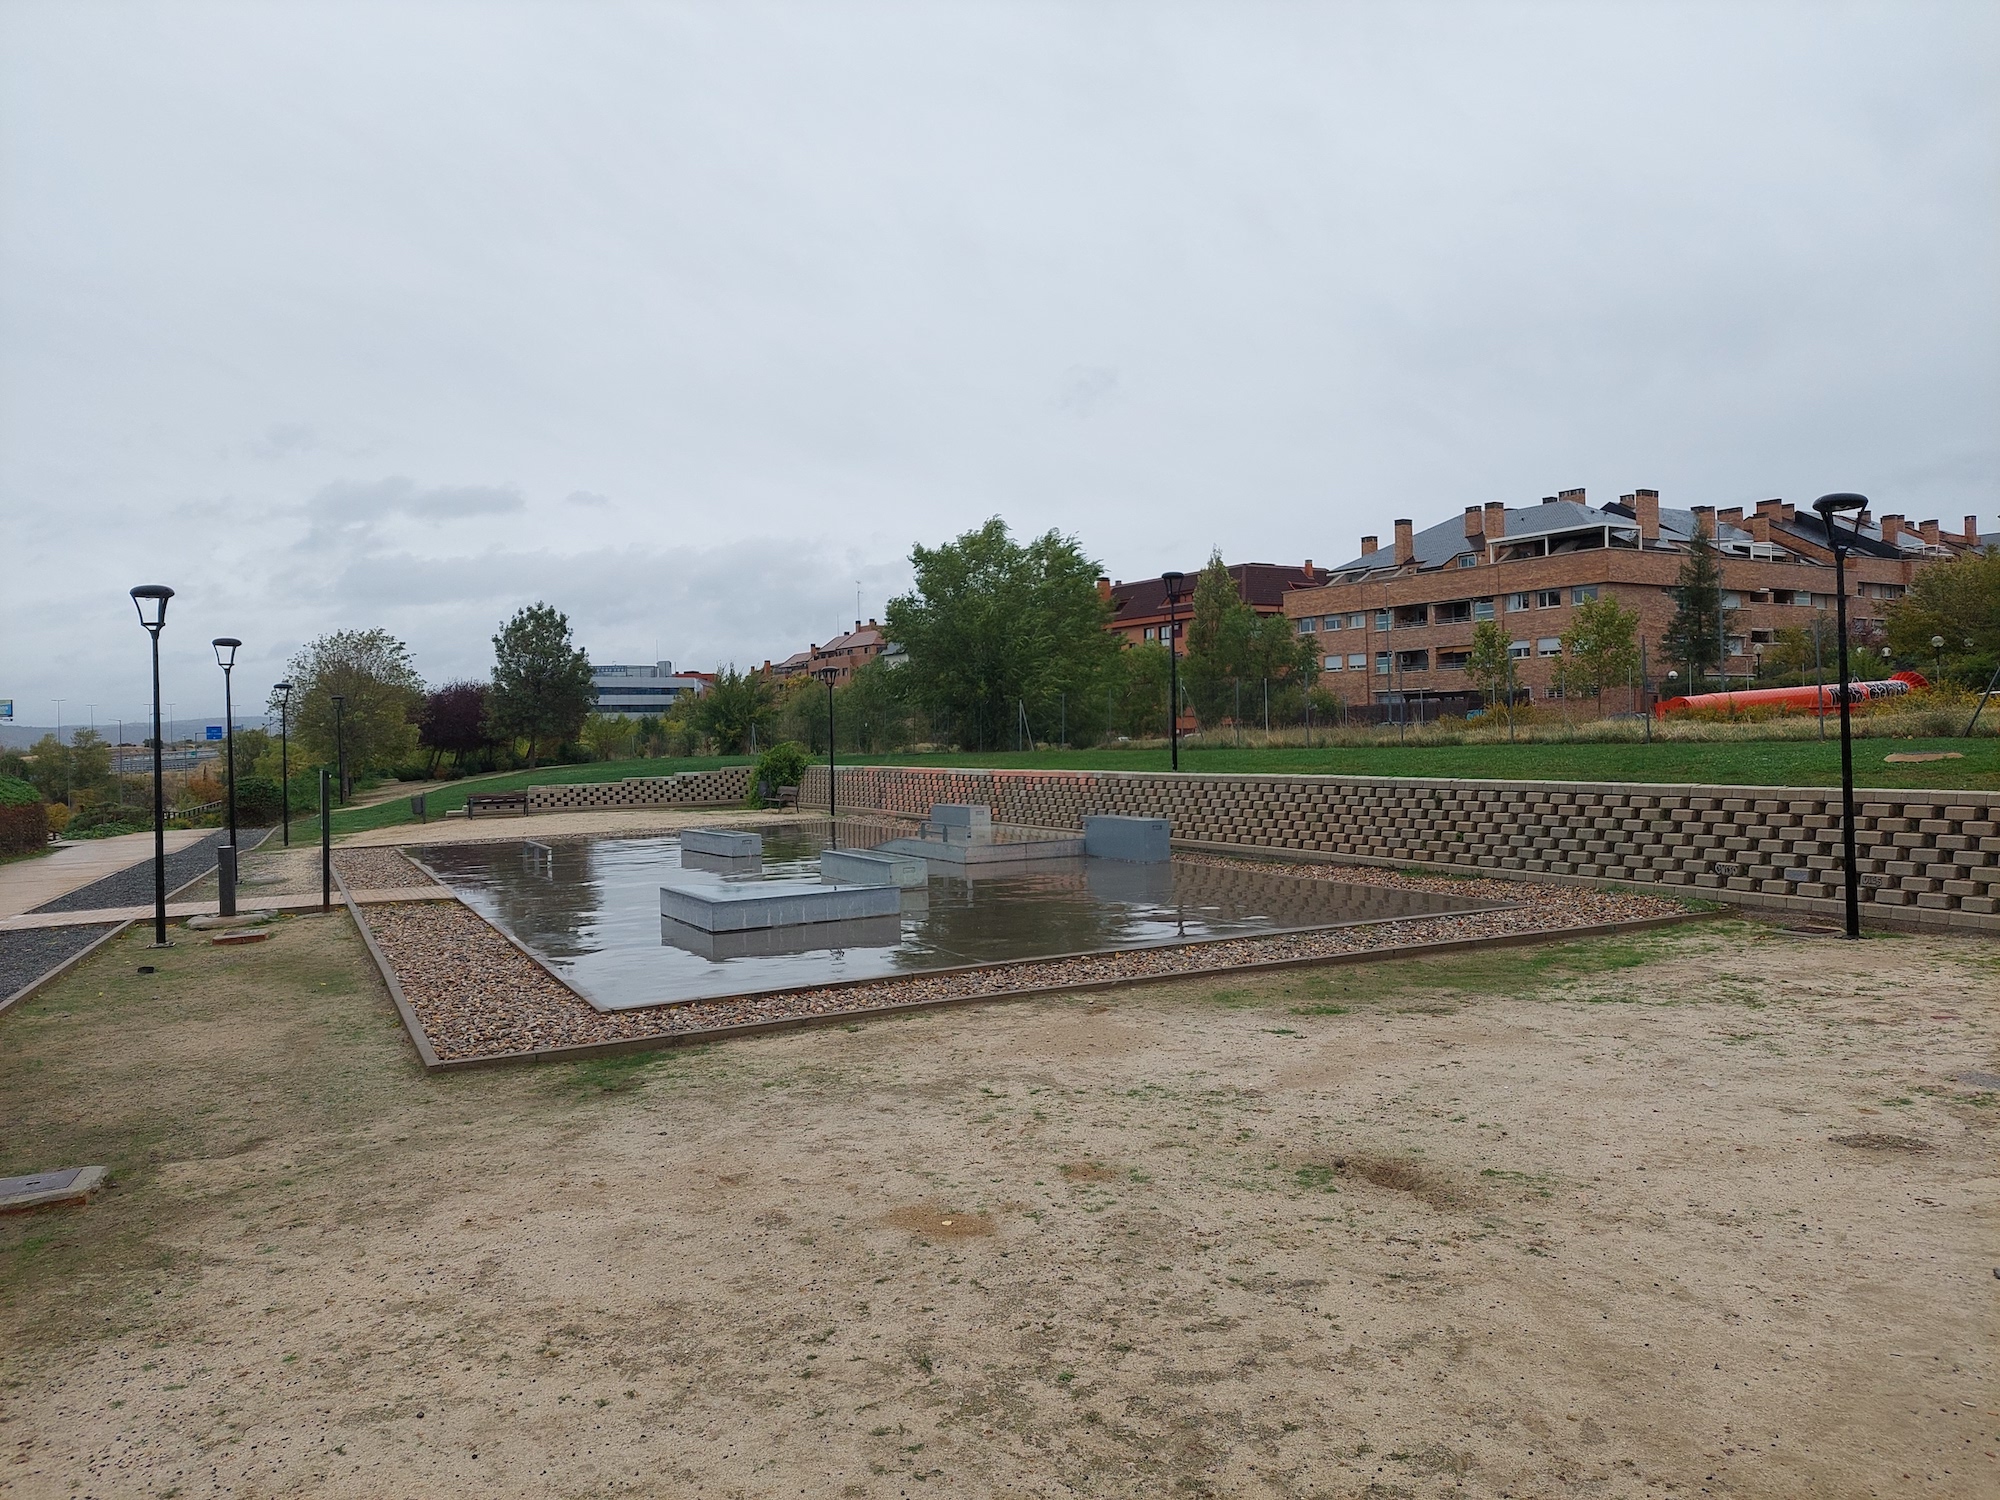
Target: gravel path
(477, 995)
(377, 870)
(27, 956)
(133, 886)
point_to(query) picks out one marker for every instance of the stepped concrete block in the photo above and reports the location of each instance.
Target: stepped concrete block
(715, 907)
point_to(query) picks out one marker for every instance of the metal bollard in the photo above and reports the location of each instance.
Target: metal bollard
(225, 875)
(418, 805)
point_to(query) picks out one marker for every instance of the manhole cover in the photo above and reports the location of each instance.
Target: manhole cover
(41, 1182)
(1978, 1080)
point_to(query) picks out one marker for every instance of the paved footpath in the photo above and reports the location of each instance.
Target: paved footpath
(29, 883)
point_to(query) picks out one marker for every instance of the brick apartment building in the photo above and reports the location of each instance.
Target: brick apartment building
(842, 656)
(1397, 623)
(1139, 609)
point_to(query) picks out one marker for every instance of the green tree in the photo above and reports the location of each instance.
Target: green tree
(1490, 666)
(993, 626)
(541, 681)
(1229, 644)
(1695, 633)
(734, 707)
(1959, 600)
(1600, 648)
(609, 736)
(1804, 648)
(372, 672)
(872, 710)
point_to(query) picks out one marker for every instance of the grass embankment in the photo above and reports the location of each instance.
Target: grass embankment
(1723, 763)
(449, 796)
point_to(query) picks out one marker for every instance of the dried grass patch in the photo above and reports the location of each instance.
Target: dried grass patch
(936, 1222)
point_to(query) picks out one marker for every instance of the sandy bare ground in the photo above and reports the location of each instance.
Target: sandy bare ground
(1564, 1221)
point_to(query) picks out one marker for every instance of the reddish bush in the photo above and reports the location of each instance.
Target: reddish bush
(23, 829)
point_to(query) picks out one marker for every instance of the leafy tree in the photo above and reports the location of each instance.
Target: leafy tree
(1801, 648)
(541, 681)
(1490, 666)
(736, 705)
(993, 625)
(453, 722)
(372, 671)
(782, 765)
(1137, 691)
(1694, 634)
(872, 711)
(610, 736)
(1959, 600)
(1230, 644)
(1600, 648)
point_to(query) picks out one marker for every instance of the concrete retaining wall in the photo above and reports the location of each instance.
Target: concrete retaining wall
(720, 788)
(1928, 859)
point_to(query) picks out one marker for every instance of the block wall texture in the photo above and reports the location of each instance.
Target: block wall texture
(719, 788)
(1928, 859)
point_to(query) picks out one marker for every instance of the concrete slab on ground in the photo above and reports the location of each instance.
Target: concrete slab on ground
(44, 1189)
(29, 883)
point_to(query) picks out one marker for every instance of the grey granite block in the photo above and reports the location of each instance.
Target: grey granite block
(870, 867)
(1140, 841)
(714, 906)
(723, 841)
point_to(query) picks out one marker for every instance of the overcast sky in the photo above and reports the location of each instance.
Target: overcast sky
(690, 318)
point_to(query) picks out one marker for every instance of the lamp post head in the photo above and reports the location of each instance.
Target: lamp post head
(1826, 505)
(150, 599)
(283, 690)
(1173, 581)
(225, 651)
(1937, 643)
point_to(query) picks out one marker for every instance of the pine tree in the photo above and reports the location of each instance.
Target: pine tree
(541, 680)
(1694, 634)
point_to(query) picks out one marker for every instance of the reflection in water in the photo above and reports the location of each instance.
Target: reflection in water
(590, 908)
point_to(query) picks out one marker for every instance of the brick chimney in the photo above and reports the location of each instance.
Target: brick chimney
(1406, 542)
(1775, 509)
(1759, 525)
(1475, 522)
(1495, 512)
(1646, 506)
(1704, 518)
(1573, 497)
(1309, 570)
(1972, 531)
(1548, 499)
(1104, 588)
(1732, 517)
(1929, 531)
(1892, 529)
(1369, 546)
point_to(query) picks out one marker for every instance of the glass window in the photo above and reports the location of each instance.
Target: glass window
(1578, 595)
(1548, 598)
(1732, 600)
(1453, 661)
(1357, 661)
(1482, 609)
(1308, 626)
(1519, 601)
(1518, 648)
(1549, 645)
(1381, 619)
(1468, 560)
(1381, 663)
(1331, 622)
(1332, 664)
(1149, 632)
(1356, 622)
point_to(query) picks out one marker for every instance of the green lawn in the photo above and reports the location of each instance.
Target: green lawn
(446, 796)
(1731, 763)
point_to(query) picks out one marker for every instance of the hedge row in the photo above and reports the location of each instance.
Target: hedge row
(23, 829)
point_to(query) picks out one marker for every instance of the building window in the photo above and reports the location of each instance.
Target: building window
(1482, 609)
(1381, 619)
(1149, 632)
(1518, 649)
(1732, 600)
(1308, 625)
(1332, 664)
(1548, 598)
(1453, 661)
(1381, 664)
(1587, 591)
(1520, 601)
(1456, 613)
(1357, 622)
(1468, 560)
(1331, 622)
(1410, 615)
(1413, 661)
(1549, 645)
(1357, 662)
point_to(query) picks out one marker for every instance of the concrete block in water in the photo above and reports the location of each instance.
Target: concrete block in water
(716, 907)
(1136, 840)
(962, 822)
(723, 841)
(871, 867)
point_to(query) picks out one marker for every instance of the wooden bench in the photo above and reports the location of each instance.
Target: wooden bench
(482, 803)
(785, 796)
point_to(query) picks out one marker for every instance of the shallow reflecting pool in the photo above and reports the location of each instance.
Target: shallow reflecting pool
(589, 907)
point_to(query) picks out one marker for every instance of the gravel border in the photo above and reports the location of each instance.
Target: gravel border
(133, 885)
(478, 998)
(30, 955)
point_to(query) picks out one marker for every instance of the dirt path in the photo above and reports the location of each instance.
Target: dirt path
(1709, 1211)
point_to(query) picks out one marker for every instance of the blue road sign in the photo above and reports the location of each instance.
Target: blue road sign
(215, 731)
(6, 708)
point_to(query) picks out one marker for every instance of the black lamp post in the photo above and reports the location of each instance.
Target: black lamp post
(1173, 581)
(1828, 506)
(340, 748)
(1937, 657)
(284, 692)
(150, 599)
(225, 658)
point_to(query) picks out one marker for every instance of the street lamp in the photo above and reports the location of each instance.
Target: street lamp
(1173, 581)
(150, 599)
(284, 692)
(1937, 653)
(340, 747)
(832, 828)
(225, 658)
(1829, 506)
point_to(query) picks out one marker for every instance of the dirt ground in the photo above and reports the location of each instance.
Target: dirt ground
(1710, 1211)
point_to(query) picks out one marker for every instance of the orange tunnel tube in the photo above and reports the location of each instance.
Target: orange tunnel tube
(1808, 700)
